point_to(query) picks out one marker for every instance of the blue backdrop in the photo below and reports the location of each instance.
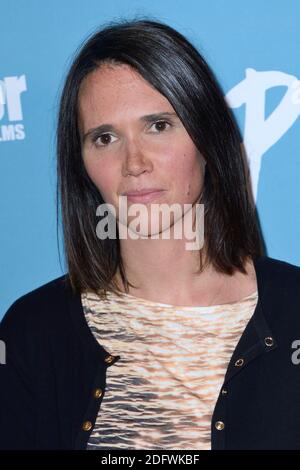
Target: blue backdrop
(254, 49)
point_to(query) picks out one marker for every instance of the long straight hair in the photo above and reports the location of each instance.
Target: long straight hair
(171, 64)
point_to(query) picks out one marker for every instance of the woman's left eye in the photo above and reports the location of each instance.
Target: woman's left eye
(161, 123)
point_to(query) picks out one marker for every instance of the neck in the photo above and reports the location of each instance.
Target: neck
(164, 271)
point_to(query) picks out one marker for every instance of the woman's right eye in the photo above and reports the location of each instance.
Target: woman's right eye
(102, 140)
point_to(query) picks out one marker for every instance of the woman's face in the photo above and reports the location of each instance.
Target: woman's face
(132, 151)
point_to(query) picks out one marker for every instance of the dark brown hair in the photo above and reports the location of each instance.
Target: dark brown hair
(170, 63)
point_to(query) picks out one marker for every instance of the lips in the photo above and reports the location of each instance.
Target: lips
(146, 195)
(140, 192)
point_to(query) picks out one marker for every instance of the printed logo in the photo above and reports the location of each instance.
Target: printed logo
(260, 134)
(11, 113)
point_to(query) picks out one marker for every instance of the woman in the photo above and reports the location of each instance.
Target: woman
(144, 344)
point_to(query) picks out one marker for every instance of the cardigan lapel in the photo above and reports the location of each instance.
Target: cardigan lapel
(257, 338)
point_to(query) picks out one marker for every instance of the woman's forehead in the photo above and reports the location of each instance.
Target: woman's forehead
(105, 92)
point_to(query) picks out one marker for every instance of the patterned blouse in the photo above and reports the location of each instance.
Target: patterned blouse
(162, 391)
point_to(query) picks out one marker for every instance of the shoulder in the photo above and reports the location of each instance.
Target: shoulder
(275, 271)
(279, 293)
(278, 279)
(36, 308)
(38, 326)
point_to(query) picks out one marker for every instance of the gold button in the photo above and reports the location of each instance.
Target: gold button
(97, 393)
(269, 341)
(109, 359)
(219, 425)
(239, 362)
(224, 392)
(87, 425)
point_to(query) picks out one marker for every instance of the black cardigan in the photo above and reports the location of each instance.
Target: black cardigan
(54, 379)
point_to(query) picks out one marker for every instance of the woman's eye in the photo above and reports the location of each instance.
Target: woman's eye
(161, 125)
(102, 140)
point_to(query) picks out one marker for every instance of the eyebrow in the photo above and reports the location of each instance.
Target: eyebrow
(109, 127)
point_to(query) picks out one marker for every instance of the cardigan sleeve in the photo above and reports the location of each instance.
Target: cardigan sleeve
(17, 414)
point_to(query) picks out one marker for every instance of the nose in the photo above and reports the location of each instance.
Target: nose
(135, 161)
